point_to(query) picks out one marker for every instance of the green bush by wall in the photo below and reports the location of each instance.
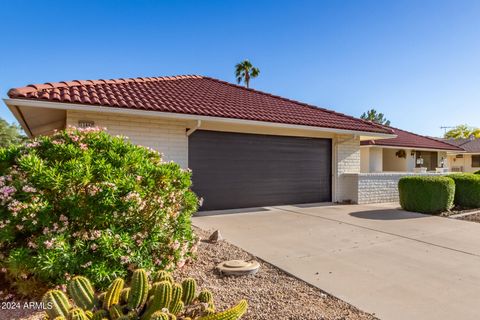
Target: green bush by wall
(426, 194)
(467, 190)
(82, 202)
(477, 172)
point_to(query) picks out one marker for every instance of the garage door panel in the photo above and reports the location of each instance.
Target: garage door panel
(232, 170)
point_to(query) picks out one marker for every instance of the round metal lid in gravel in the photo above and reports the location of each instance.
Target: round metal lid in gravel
(238, 267)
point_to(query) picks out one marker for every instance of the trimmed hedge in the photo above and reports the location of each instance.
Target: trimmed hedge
(477, 172)
(467, 190)
(426, 194)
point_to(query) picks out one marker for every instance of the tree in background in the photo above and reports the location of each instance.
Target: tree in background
(10, 134)
(462, 131)
(244, 71)
(374, 116)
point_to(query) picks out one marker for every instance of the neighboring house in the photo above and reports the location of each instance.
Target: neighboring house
(246, 148)
(408, 152)
(469, 159)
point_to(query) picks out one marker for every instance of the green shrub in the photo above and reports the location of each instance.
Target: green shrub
(477, 172)
(81, 202)
(426, 194)
(467, 190)
(140, 300)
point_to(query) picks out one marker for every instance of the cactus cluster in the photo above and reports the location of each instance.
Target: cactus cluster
(164, 299)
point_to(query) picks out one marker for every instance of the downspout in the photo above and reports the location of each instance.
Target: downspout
(335, 170)
(192, 130)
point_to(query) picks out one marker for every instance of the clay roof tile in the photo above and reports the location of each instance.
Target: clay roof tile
(193, 94)
(411, 140)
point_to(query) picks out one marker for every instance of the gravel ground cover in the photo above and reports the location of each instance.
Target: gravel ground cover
(271, 293)
(475, 217)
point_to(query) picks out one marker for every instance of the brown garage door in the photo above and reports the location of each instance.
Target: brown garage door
(235, 170)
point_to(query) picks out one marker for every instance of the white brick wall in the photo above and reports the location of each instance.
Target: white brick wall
(347, 149)
(348, 154)
(377, 187)
(166, 136)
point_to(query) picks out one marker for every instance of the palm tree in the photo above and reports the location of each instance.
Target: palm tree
(244, 71)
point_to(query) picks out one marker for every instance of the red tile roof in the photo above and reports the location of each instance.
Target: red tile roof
(468, 145)
(196, 95)
(411, 140)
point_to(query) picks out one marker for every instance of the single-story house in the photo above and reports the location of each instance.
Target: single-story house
(384, 162)
(407, 152)
(469, 159)
(246, 148)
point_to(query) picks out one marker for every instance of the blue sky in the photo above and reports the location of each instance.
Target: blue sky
(416, 61)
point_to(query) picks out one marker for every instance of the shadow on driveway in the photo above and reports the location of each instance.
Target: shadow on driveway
(393, 214)
(230, 211)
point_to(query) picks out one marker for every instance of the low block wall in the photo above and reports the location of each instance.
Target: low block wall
(376, 187)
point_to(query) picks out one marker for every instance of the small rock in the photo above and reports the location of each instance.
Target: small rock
(215, 237)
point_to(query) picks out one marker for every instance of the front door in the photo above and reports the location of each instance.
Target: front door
(429, 159)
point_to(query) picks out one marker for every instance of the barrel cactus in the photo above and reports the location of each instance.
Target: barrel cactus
(100, 315)
(159, 315)
(206, 296)
(57, 304)
(230, 314)
(163, 300)
(81, 292)
(189, 287)
(163, 276)
(162, 295)
(138, 291)
(77, 314)
(176, 303)
(113, 293)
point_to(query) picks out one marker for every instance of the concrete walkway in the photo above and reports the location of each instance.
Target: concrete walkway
(396, 264)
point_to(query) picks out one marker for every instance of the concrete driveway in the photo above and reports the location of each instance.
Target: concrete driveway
(396, 264)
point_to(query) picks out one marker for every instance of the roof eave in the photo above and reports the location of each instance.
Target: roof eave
(19, 116)
(13, 104)
(409, 147)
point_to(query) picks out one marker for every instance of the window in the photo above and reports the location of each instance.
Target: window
(476, 161)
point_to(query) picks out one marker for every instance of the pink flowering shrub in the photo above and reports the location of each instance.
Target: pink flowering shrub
(84, 202)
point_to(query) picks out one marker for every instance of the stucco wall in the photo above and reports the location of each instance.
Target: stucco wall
(377, 159)
(166, 136)
(371, 159)
(442, 156)
(393, 163)
(365, 159)
(465, 164)
(410, 160)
